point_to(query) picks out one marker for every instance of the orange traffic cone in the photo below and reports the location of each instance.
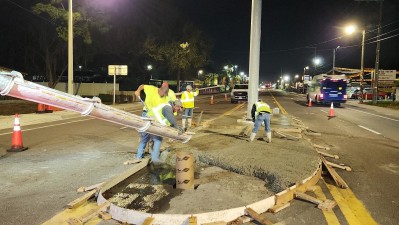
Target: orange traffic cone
(48, 109)
(225, 97)
(41, 108)
(212, 100)
(331, 114)
(16, 143)
(310, 102)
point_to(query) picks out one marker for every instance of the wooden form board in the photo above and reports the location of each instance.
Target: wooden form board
(256, 216)
(119, 178)
(338, 179)
(78, 202)
(288, 195)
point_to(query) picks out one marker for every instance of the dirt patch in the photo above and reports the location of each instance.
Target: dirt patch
(12, 107)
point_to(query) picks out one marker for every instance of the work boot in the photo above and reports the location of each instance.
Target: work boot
(252, 137)
(183, 124)
(268, 137)
(189, 123)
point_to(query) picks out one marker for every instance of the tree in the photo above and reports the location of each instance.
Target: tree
(52, 44)
(181, 56)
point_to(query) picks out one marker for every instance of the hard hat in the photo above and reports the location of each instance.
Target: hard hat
(188, 87)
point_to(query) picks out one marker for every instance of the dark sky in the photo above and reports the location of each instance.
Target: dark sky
(288, 26)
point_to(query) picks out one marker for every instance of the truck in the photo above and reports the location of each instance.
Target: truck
(239, 93)
(327, 89)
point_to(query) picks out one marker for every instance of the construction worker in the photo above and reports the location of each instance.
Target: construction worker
(154, 97)
(261, 113)
(187, 98)
(164, 114)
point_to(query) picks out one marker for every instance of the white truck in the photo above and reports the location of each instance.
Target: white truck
(239, 93)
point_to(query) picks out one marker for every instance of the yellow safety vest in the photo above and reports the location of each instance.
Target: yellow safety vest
(262, 107)
(152, 97)
(157, 113)
(187, 99)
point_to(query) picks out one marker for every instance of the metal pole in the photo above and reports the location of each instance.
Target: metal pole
(333, 69)
(113, 102)
(254, 54)
(377, 59)
(362, 67)
(70, 48)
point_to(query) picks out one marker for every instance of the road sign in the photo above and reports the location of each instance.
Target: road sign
(387, 75)
(114, 70)
(117, 70)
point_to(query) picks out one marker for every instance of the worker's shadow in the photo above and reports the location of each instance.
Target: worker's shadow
(241, 137)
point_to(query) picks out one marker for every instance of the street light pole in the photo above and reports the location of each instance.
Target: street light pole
(70, 48)
(334, 51)
(362, 67)
(377, 59)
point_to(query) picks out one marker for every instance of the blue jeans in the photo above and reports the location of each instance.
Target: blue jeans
(188, 113)
(265, 117)
(157, 147)
(144, 138)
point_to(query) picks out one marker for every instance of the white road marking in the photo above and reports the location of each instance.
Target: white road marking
(375, 115)
(324, 111)
(49, 126)
(375, 132)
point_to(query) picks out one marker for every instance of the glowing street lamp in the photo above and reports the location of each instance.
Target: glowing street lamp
(350, 30)
(149, 68)
(200, 72)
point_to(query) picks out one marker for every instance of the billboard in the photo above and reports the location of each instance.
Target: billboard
(387, 75)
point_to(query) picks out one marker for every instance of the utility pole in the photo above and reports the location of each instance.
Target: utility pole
(362, 67)
(254, 54)
(377, 59)
(70, 48)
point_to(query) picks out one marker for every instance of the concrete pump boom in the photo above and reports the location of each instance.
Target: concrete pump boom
(13, 84)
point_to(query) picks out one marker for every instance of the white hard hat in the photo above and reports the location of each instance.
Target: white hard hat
(188, 87)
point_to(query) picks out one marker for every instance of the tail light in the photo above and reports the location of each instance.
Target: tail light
(345, 96)
(321, 96)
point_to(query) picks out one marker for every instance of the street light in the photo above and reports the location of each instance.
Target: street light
(149, 68)
(335, 49)
(200, 72)
(350, 30)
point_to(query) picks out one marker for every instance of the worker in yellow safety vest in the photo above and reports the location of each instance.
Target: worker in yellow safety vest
(154, 97)
(261, 113)
(187, 98)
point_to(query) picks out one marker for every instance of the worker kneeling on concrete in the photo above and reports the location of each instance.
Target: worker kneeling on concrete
(261, 113)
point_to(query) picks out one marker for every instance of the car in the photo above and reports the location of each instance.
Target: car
(368, 94)
(239, 93)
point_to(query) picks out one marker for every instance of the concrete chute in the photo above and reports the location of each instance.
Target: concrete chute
(13, 84)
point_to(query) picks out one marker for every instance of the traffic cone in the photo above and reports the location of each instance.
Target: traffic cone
(225, 97)
(310, 102)
(48, 109)
(212, 100)
(16, 143)
(331, 114)
(41, 108)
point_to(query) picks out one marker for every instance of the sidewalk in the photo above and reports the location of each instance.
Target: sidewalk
(7, 122)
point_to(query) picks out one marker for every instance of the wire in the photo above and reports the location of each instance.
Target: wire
(25, 9)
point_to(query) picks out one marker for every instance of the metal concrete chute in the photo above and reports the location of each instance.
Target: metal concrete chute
(13, 84)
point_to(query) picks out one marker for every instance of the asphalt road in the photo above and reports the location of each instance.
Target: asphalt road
(65, 155)
(367, 139)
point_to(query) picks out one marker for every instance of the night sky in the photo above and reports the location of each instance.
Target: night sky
(289, 28)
